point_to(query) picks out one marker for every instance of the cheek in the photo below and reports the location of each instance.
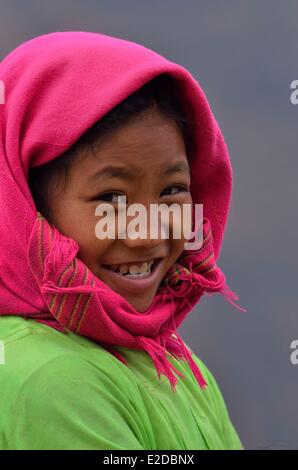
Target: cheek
(91, 251)
(180, 222)
(91, 248)
(178, 244)
(177, 247)
(76, 222)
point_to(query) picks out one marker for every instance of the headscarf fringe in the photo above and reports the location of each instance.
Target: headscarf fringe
(178, 350)
(162, 364)
(230, 296)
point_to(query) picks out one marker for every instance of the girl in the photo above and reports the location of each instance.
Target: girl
(93, 359)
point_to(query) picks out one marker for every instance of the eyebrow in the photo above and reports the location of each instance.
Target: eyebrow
(114, 172)
(180, 167)
(125, 173)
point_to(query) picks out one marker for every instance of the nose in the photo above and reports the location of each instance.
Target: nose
(142, 232)
(146, 243)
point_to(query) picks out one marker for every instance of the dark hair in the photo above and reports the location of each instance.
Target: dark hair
(161, 91)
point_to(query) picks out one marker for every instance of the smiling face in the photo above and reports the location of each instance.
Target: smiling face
(146, 161)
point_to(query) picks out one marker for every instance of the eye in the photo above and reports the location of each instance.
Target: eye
(108, 197)
(177, 187)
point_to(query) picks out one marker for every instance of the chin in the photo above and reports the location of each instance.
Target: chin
(142, 305)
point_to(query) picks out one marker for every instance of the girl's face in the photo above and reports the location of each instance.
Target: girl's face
(145, 160)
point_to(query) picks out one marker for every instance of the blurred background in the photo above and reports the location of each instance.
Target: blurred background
(244, 55)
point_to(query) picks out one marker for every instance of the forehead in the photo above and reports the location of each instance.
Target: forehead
(151, 142)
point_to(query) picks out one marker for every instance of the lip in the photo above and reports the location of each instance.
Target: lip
(136, 284)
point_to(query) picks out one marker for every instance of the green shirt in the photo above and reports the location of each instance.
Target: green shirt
(64, 391)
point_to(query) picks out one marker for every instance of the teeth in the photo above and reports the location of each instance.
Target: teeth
(123, 269)
(133, 269)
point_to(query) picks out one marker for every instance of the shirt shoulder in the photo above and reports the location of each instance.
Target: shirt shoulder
(64, 392)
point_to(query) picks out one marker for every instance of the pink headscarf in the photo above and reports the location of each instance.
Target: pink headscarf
(56, 86)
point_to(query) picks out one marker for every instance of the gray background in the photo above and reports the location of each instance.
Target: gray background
(244, 54)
